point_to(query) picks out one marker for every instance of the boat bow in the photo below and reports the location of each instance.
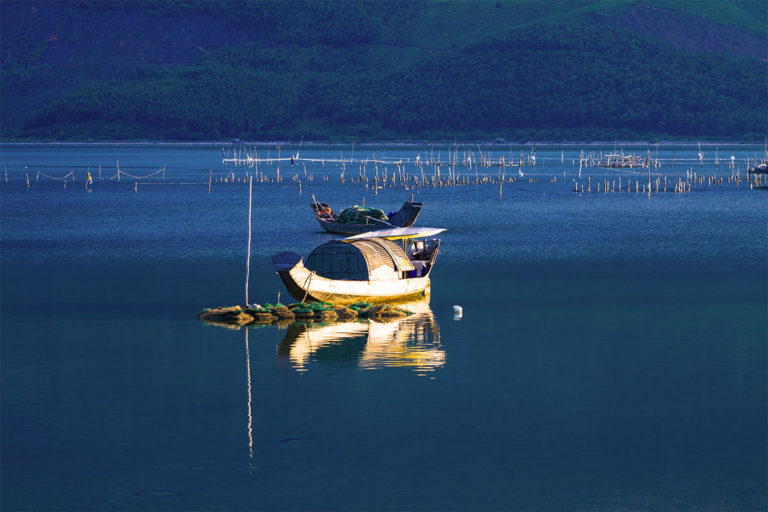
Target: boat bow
(285, 261)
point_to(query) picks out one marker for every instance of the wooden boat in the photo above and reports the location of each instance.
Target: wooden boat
(369, 267)
(329, 220)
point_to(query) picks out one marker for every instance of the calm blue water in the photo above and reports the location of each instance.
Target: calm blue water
(612, 353)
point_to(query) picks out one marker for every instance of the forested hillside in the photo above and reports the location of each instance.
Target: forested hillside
(514, 69)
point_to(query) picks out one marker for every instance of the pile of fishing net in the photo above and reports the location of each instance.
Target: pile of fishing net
(361, 215)
(322, 312)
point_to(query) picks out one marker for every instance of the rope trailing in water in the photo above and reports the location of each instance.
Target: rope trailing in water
(123, 173)
(70, 174)
(175, 183)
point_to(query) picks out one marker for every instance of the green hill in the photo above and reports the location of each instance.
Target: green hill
(515, 69)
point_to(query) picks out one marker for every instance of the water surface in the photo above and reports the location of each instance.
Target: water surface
(612, 353)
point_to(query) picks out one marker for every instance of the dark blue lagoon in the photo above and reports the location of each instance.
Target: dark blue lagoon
(612, 352)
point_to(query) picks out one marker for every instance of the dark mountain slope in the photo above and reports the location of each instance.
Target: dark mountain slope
(49, 48)
(198, 70)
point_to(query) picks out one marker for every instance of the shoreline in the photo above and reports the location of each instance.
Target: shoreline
(392, 144)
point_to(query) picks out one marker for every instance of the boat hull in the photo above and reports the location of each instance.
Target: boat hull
(405, 217)
(340, 228)
(305, 285)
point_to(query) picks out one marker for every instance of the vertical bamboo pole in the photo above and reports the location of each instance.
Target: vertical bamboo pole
(649, 174)
(248, 252)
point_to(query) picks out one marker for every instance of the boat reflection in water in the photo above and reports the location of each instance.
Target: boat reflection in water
(410, 342)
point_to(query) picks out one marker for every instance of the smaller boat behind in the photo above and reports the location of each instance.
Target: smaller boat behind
(356, 219)
(369, 267)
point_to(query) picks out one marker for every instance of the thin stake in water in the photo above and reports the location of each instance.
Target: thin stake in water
(248, 259)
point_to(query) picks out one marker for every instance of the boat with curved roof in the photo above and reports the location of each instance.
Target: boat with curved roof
(367, 268)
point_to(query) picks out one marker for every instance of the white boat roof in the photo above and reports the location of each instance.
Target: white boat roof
(398, 233)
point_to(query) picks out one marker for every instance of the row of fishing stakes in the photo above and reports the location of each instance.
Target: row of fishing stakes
(680, 185)
(406, 182)
(455, 162)
(399, 178)
(88, 178)
(431, 172)
(241, 155)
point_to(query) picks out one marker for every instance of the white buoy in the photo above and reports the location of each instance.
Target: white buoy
(457, 312)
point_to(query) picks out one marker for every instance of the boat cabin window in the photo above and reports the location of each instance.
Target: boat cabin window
(364, 259)
(338, 260)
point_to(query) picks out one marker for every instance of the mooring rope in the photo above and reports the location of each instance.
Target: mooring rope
(306, 285)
